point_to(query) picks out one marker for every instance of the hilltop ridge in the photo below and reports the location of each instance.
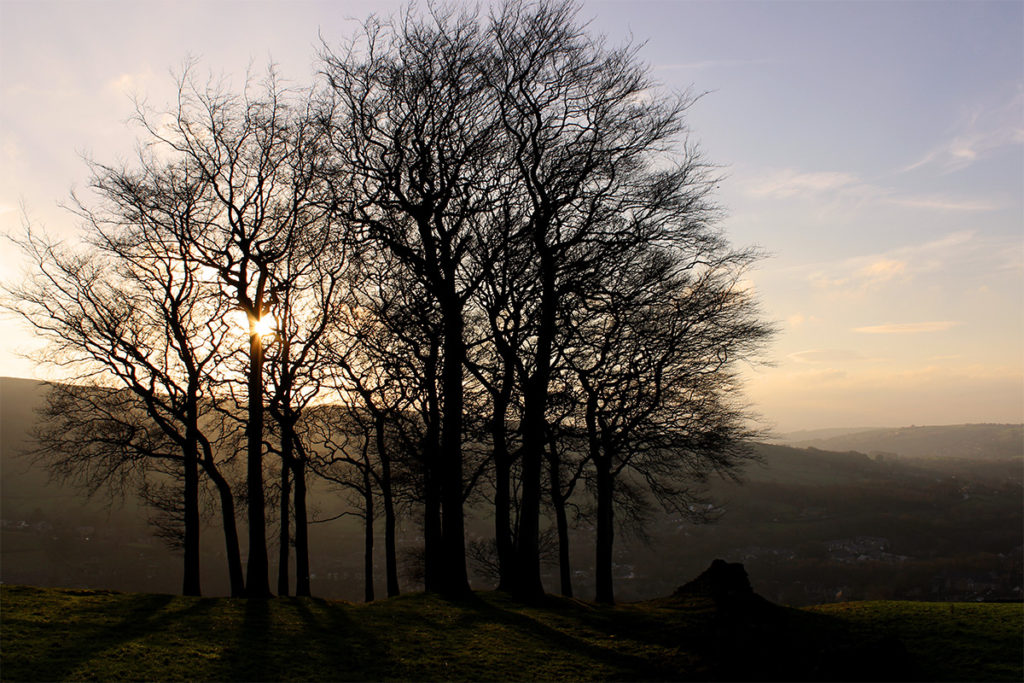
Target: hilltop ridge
(984, 441)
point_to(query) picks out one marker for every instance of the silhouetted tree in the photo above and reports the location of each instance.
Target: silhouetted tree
(344, 439)
(129, 311)
(386, 356)
(263, 219)
(307, 287)
(655, 355)
(415, 127)
(584, 138)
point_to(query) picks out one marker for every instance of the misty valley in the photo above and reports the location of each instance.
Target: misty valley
(940, 520)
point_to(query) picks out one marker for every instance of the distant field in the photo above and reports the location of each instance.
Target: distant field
(53, 634)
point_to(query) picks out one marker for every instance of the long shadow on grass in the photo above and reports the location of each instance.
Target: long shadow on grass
(93, 630)
(299, 639)
(343, 647)
(626, 666)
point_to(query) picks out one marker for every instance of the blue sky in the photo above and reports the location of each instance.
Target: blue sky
(873, 148)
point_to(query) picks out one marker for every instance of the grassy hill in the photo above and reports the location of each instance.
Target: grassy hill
(51, 634)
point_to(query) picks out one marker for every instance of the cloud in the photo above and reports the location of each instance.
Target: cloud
(908, 328)
(130, 83)
(860, 274)
(848, 189)
(883, 270)
(710, 64)
(796, 320)
(982, 132)
(945, 203)
(789, 183)
(825, 356)
(874, 273)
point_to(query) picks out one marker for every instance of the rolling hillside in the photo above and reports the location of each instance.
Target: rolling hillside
(812, 526)
(986, 442)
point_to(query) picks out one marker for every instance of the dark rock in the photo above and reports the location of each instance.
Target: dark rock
(724, 582)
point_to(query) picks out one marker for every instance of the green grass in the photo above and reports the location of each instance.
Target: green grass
(52, 634)
(950, 641)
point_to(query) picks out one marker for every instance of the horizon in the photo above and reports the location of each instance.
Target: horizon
(874, 150)
(775, 435)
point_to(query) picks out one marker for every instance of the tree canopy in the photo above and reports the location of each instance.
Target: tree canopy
(477, 251)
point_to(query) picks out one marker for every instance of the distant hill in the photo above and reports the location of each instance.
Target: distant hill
(26, 490)
(813, 525)
(790, 465)
(967, 442)
(803, 435)
(23, 487)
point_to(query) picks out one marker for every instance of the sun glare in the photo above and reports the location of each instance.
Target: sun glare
(265, 326)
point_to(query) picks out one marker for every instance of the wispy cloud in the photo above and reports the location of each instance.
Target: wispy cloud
(909, 328)
(883, 270)
(861, 275)
(130, 83)
(843, 189)
(983, 131)
(946, 203)
(790, 183)
(799, 320)
(968, 253)
(825, 356)
(710, 64)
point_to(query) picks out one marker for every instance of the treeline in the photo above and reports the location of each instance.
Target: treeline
(476, 261)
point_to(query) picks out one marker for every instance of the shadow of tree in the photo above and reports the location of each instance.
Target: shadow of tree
(300, 639)
(94, 629)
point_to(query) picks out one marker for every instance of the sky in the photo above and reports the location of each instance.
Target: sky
(873, 150)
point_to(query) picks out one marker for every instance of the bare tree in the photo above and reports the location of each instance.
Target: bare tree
(129, 311)
(584, 136)
(264, 219)
(416, 131)
(655, 356)
(385, 356)
(307, 284)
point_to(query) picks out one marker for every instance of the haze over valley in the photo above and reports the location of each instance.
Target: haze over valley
(923, 513)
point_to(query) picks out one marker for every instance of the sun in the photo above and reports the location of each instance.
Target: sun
(265, 326)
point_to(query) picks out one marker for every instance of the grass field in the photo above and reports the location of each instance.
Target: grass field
(53, 634)
(955, 641)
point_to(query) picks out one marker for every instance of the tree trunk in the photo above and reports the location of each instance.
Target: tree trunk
(431, 535)
(302, 586)
(605, 529)
(390, 551)
(190, 581)
(190, 584)
(258, 572)
(503, 518)
(227, 510)
(502, 484)
(285, 539)
(534, 438)
(430, 459)
(367, 537)
(562, 524)
(454, 580)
